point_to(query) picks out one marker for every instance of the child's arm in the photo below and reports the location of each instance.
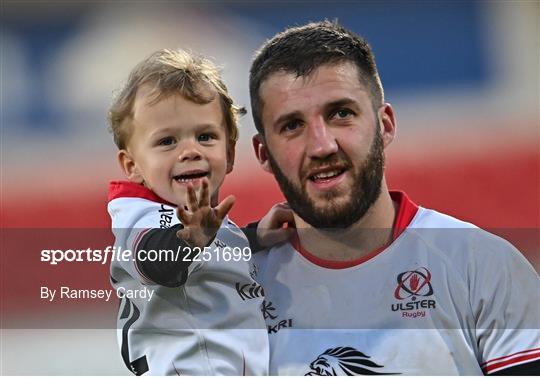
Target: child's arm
(170, 270)
(200, 224)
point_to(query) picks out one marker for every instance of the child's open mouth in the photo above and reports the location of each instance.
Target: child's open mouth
(190, 176)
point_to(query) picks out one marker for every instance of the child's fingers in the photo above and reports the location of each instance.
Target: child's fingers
(192, 198)
(183, 215)
(205, 194)
(224, 207)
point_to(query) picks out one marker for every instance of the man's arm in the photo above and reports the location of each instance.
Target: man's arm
(504, 297)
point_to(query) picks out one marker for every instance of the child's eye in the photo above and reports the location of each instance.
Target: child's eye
(167, 141)
(206, 137)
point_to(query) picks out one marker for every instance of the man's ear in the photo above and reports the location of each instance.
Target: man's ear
(129, 167)
(231, 153)
(261, 152)
(387, 123)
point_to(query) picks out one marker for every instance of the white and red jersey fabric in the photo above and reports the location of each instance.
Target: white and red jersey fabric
(445, 297)
(210, 325)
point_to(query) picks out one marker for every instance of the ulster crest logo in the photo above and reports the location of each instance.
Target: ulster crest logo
(413, 283)
(344, 361)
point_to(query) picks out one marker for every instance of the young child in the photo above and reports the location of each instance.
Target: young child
(189, 303)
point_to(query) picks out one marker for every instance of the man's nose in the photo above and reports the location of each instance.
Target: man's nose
(189, 150)
(320, 140)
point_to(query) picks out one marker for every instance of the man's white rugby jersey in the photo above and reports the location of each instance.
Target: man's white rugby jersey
(209, 325)
(445, 297)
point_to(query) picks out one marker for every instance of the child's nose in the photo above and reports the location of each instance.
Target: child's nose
(189, 151)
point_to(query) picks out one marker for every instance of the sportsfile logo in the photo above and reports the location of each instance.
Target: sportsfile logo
(411, 285)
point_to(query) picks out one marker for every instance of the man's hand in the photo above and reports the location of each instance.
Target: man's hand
(201, 221)
(270, 230)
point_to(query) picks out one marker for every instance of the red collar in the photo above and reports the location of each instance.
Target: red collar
(406, 212)
(122, 189)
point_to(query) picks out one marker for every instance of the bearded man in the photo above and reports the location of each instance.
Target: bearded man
(370, 282)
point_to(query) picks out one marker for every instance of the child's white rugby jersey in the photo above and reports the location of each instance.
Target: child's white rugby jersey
(445, 297)
(210, 324)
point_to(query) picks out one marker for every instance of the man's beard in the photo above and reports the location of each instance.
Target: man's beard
(365, 190)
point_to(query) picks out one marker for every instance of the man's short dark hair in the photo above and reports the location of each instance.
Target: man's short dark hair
(303, 49)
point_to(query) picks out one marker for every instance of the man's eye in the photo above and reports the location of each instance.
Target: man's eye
(291, 126)
(166, 141)
(206, 137)
(343, 113)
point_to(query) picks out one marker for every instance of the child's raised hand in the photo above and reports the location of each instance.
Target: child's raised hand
(270, 229)
(201, 221)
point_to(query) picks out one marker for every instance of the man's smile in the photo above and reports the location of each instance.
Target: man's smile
(326, 177)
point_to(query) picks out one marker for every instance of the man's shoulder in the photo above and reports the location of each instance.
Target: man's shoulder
(432, 221)
(429, 218)
(275, 256)
(274, 251)
(456, 237)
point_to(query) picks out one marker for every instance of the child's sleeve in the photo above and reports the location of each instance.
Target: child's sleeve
(166, 266)
(148, 230)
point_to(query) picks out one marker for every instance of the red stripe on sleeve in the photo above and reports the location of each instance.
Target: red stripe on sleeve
(510, 355)
(518, 359)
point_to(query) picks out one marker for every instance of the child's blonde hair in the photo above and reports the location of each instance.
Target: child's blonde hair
(172, 72)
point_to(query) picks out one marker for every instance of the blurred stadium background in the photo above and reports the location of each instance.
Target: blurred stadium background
(463, 78)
